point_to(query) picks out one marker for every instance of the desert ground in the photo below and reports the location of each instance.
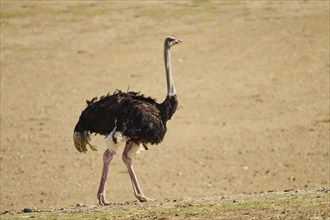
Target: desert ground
(252, 80)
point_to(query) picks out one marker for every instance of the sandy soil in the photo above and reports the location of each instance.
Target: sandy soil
(252, 81)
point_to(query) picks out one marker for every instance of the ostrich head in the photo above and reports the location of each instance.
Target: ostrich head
(171, 41)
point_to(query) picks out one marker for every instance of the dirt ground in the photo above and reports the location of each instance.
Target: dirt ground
(291, 204)
(252, 79)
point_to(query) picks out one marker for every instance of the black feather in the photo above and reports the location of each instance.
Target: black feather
(140, 118)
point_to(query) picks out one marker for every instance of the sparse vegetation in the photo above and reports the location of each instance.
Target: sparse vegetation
(17, 14)
(294, 203)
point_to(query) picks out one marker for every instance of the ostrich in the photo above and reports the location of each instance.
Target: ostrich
(128, 118)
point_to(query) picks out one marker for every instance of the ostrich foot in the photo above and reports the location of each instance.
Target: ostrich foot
(102, 200)
(143, 198)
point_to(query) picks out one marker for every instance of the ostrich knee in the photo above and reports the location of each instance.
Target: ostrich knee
(126, 159)
(130, 151)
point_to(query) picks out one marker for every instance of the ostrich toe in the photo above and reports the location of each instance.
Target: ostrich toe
(102, 200)
(143, 198)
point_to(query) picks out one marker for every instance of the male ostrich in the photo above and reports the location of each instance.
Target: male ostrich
(130, 118)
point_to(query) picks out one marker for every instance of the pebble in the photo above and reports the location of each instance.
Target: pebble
(25, 210)
(79, 205)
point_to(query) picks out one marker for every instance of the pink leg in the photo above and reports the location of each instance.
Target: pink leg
(107, 157)
(128, 162)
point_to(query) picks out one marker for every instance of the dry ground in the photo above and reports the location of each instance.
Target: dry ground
(291, 204)
(252, 79)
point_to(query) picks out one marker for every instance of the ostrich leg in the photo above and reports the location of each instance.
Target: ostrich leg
(128, 162)
(107, 157)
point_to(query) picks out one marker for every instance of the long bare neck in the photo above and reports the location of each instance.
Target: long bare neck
(169, 79)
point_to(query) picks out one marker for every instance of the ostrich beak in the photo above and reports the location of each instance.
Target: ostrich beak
(177, 41)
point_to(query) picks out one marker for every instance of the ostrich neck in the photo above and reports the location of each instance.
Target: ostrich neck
(169, 79)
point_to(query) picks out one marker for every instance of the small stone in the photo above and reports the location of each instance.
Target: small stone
(79, 205)
(25, 210)
(292, 178)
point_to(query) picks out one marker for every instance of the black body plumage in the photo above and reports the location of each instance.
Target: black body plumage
(140, 118)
